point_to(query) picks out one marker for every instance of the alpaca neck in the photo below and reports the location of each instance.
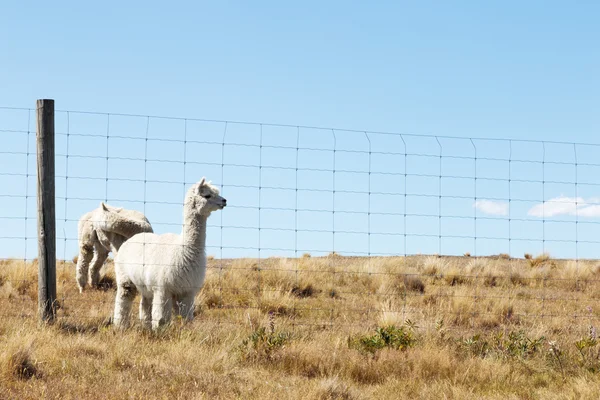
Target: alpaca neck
(194, 237)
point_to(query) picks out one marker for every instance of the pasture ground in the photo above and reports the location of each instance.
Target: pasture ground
(422, 327)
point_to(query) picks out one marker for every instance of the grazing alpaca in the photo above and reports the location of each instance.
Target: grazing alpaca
(99, 232)
(167, 270)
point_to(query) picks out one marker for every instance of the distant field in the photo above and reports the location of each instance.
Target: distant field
(320, 328)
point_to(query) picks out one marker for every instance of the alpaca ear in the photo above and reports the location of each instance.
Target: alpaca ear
(200, 184)
(103, 206)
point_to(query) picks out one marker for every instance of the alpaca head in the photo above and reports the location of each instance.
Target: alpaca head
(107, 216)
(106, 208)
(204, 198)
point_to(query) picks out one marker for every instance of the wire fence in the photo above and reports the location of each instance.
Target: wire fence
(323, 227)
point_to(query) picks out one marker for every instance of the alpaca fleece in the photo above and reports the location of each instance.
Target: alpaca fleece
(167, 270)
(101, 231)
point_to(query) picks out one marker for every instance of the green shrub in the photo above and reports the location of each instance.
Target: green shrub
(589, 353)
(514, 345)
(388, 336)
(263, 343)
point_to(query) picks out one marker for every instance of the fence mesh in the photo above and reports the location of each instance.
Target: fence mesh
(323, 227)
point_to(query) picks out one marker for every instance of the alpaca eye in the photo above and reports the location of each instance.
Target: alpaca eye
(208, 196)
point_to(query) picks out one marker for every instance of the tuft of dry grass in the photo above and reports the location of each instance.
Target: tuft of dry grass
(539, 260)
(414, 284)
(18, 364)
(433, 265)
(454, 276)
(303, 290)
(334, 389)
(490, 279)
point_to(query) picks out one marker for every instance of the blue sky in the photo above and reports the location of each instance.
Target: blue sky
(511, 70)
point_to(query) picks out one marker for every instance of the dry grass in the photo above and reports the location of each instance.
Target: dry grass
(313, 327)
(17, 364)
(539, 260)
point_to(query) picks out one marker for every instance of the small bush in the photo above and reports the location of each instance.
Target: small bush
(388, 336)
(589, 353)
(263, 343)
(514, 345)
(467, 254)
(528, 256)
(517, 344)
(306, 255)
(475, 345)
(503, 256)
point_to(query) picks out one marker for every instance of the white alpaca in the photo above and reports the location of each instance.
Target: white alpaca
(167, 270)
(99, 232)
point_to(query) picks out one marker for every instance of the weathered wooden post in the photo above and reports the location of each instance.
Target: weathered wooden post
(46, 211)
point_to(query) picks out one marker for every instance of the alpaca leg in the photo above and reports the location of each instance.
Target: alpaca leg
(184, 306)
(146, 311)
(162, 304)
(86, 252)
(125, 294)
(100, 255)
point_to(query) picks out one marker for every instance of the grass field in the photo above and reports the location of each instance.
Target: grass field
(422, 327)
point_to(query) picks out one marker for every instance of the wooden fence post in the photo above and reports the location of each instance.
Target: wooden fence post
(46, 211)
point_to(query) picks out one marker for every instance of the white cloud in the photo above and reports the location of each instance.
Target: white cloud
(589, 211)
(563, 205)
(492, 207)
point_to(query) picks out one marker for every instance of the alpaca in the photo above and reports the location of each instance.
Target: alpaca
(99, 232)
(167, 270)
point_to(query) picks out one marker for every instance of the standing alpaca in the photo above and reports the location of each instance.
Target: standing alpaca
(99, 232)
(168, 270)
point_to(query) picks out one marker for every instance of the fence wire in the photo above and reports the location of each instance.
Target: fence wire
(323, 227)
